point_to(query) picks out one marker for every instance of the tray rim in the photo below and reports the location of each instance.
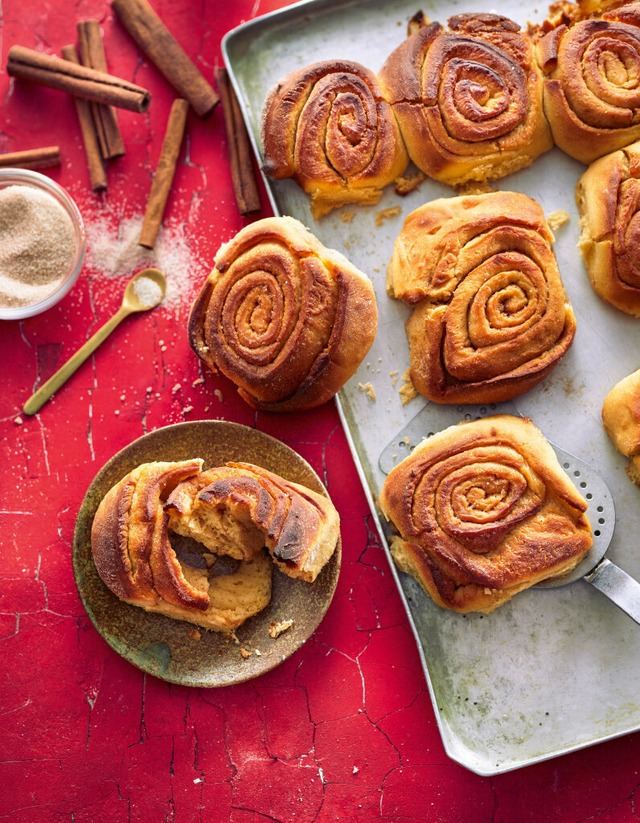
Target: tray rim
(455, 748)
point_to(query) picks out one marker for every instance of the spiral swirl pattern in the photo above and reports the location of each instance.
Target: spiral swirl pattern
(283, 317)
(592, 83)
(468, 100)
(329, 127)
(299, 527)
(491, 317)
(483, 510)
(136, 560)
(608, 197)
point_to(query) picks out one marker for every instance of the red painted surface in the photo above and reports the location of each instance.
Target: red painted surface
(344, 729)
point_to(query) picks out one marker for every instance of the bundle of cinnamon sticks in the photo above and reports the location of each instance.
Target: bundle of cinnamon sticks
(82, 72)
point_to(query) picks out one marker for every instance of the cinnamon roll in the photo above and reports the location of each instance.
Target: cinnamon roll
(468, 99)
(592, 83)
(491, 318)
(608, 198)
(329, 127)
(483, 510)
(135, 559)
(282, 316)
(621, 420)
(239, 508)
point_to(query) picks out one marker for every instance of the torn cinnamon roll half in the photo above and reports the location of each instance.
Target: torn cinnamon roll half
(238, 509)
(134, 556)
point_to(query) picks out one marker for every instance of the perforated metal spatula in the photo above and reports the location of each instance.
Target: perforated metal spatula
(594, 568)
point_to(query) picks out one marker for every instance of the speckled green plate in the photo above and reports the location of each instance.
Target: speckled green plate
(171, 649)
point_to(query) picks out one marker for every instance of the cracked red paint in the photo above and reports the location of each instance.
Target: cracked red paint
(343, 730)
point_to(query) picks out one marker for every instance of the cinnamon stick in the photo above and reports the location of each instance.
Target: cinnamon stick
(164, 174)
(40, 158)
(160, 46)
(97, 174)
(52, 71)
(92, 54)
(244, 180)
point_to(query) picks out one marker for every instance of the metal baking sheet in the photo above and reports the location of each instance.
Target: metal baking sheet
(553, 670)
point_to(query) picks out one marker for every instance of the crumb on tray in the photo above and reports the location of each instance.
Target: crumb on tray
(368, 389)
(557, 218)
(385, 214)
(407, 390)
(409, 182)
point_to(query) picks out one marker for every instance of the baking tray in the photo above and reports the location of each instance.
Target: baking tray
(553, 670)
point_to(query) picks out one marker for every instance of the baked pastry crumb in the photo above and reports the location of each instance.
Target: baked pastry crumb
(368, 389)
(278, 627)
(407, 390)
(407, 183)
(474, 187)
(557, 219)
(247, 653)
(385, 214)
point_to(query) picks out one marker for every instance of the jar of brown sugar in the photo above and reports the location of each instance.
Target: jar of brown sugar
(42, 243)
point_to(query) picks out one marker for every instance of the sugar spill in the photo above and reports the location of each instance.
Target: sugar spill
(113, 251)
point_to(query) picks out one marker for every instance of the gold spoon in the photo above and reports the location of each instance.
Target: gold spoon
(144, 291)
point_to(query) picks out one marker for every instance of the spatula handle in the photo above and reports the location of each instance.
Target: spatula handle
(39, 398)
(618, 586)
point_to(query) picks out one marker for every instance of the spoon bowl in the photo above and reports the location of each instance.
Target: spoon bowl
(143, 292)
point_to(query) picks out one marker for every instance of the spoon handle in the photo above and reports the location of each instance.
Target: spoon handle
(45, 392)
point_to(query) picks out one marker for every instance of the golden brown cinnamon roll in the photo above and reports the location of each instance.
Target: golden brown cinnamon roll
(483, 510)
(491, 317)
(135, 559)
(592, 83)
(329, 127)
(608, 198)
(282, 316)
(239, 508)
(468, 100)
(621, 420)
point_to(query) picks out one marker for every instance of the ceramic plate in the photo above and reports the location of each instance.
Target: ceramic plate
(174, 650)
